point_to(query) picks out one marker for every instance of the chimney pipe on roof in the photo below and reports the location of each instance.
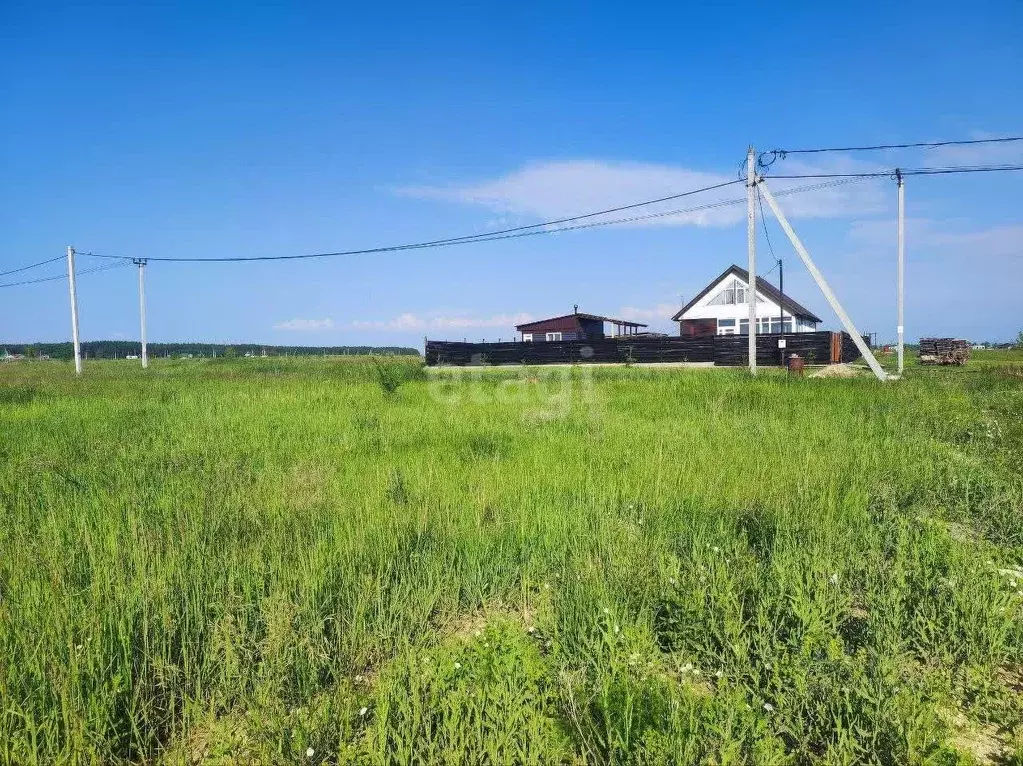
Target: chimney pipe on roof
(575, 308)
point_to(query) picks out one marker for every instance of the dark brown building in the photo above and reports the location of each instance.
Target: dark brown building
(575, 326)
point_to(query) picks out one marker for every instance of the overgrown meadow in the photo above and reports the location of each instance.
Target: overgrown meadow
(359, 561)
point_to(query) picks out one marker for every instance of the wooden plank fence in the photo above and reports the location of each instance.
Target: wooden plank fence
(725, 350)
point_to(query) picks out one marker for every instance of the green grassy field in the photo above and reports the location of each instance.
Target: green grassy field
(335, 561)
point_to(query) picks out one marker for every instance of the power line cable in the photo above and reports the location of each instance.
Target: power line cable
(684, 211)
(414, 246)
(107, 267)
(496, 236)
(915, 145)
(905, 172)
(767, 234)
(543, 227)
(486, 236)
(32, 266)
(961, 169)
(126, 259)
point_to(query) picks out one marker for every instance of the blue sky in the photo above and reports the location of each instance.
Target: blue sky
(197, 129)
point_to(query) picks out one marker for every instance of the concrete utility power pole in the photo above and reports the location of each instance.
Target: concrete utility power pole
(902, 261)
(141, 263)
(72, 287)
(822, 283)
(751, 248)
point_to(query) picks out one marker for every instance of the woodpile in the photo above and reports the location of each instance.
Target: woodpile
(944, 351)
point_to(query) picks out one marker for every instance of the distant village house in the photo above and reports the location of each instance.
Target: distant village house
(576, 326)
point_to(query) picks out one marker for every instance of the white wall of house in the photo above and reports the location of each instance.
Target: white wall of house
(732, 317)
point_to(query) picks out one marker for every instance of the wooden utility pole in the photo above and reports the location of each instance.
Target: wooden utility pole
(751, 249)
(902, 262)
(73, 289)
(822, 283)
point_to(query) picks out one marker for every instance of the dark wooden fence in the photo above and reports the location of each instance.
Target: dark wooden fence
(726, 350)
(814, 347)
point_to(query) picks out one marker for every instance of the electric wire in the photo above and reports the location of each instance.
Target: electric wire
(549, 227)
(915, 145)
(545, 226)
(767, 234)
(486, 236)
(497, 236)
(54, 278)
(904, 171)
(32, 266)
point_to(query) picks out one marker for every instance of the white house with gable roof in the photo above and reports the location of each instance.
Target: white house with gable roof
(721, 308)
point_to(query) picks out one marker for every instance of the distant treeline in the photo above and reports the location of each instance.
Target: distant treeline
(119, 349)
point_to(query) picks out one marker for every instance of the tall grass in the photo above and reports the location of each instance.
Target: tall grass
(348, 561)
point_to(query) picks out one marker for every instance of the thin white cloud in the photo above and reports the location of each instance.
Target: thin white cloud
(402, 322)
(994, 242)
(662, 313)
(408, 322)
(462, 322)
(561, 189)
(305, 325)
(925, 234)
(974, 154)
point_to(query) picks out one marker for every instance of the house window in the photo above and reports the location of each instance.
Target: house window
(734, 293)
(726, 327)
(554, 336)
(527, 337)
(766, 325)
(726, 297)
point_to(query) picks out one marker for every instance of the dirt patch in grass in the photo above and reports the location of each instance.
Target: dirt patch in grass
(984, 742)
(466, 625)
(1012, 677)
(837, 371)
(306, 485)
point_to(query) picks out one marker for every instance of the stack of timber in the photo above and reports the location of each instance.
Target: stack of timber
(724, 350)
(944, 351)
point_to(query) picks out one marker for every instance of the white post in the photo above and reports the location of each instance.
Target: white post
(902, 262)
(751, 249)
(822, 283)
(141, 263)
(72, 287)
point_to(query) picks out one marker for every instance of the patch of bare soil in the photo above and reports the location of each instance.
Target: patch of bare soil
(982, 741)
(837, 371)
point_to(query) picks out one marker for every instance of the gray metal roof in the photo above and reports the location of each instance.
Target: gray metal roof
(582, 315)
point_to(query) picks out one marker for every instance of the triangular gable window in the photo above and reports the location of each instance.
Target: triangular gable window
(732, 293)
